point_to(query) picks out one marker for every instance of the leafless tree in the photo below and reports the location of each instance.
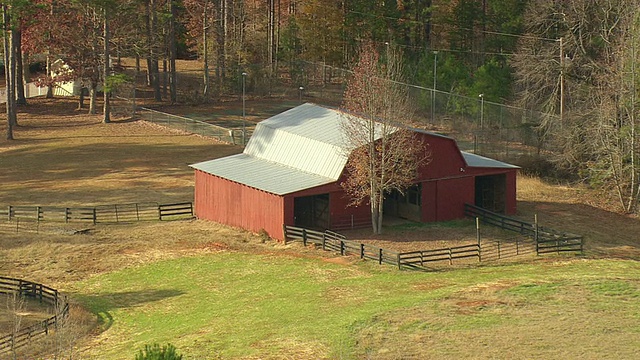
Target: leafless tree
(386, 154)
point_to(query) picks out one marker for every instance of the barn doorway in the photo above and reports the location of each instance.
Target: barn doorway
(491, 192)
(407, 206)
(312, 212)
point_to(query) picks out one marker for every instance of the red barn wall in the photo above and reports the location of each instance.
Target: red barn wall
(446, 160)
(444, 199)
(234, 204)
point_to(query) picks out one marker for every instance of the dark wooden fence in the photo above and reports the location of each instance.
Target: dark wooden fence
(332, 241)
(418, 259)
(14, 215)
(42, 293)
(546, 240)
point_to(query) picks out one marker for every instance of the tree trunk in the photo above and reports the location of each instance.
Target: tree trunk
(205, 53)
(7, 70)
(81, 98)
(155, 76)
(105, 72)
(172, 53)
(19, 83)
(50, 87)
(93, 94)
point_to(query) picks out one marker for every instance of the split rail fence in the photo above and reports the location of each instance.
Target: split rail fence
(546, 240)
(531, 239)
(44, 294)
(27, 216)
(332, 241)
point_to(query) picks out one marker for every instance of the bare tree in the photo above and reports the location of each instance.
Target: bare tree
(587, 83)
(386, 154)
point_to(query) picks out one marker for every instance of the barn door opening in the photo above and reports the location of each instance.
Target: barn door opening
(312, 212)
(491, 192)
(407, 206)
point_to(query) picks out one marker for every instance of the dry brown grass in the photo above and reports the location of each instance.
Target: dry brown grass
(63, 157)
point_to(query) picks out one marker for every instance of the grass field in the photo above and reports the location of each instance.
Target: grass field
(217, 292)
(237, 305)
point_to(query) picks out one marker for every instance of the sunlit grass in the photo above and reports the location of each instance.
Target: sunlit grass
(236, 305)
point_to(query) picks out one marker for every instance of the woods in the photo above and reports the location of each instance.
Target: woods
(573, 63)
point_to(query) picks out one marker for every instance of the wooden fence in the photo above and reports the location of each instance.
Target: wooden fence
(418, 259)
(546, 240)
(332, 241)
(98, 214)
(42, 293)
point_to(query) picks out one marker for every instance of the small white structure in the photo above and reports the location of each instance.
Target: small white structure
(67, 88)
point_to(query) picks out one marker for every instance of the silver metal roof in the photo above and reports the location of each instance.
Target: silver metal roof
(260, 174)
(308, 138)
(474, 160)
(301, 148)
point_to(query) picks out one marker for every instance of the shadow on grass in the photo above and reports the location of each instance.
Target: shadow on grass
(102, 305)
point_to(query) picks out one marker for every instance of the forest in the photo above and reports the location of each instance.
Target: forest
(556, 77)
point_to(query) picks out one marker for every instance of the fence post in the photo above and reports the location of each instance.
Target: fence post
(399, 263)
(9, 213)
(324, 240)
(478, 237)
(450, 257)
(535, 233)
(137, 213)
(66, 215)
(342, 247)
(284, 232)
(361, 251)
(379, 256)
(95, 216)
(38, 213)
(304, 237)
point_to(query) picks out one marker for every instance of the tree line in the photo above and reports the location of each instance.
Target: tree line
(575, 60)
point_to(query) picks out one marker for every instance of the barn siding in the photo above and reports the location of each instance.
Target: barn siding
(234, 204)
(446, 159)
(444, 199)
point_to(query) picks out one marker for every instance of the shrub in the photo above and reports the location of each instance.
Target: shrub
(155, 352)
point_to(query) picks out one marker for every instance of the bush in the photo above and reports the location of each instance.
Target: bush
(155, 352)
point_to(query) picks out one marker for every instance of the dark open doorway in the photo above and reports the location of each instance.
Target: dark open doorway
(491, 192)
(407, 206)
(312, 212)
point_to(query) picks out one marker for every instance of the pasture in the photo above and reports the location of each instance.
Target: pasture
(218, 292)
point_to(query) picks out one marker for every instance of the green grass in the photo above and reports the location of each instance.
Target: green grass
(236, 305)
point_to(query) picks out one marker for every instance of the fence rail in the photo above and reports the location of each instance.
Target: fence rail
(332, 241)
(547, 240)
(45, 294)
(13, 217)
(419, 258)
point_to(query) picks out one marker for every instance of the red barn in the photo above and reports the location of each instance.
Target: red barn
(290, 174)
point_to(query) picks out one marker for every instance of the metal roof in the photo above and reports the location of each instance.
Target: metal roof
(308, 138)
(474, 160)
(260, 174)
(301, 148)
